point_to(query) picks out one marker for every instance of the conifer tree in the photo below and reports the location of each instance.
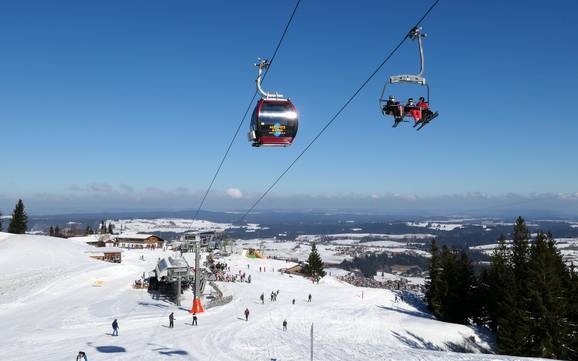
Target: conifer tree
(499, 278)
(19, 221)
(465, 284)
(110, 228)
(0, 221)
(546, 299)
(435, 288)
(514, 327)
(481, 296)
(314, 266)
(520, 250)
(571, 338)
(51, 231)
(457, 286)
(57, 232)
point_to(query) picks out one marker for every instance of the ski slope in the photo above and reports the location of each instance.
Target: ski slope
(56, 301)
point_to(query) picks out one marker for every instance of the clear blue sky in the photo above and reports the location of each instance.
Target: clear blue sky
(137, 97)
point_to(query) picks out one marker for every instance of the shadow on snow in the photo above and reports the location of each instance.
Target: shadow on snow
(168, 351)
(110, 349)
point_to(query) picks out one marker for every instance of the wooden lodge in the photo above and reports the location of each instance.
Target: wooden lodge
(108, 254)
(137, 240)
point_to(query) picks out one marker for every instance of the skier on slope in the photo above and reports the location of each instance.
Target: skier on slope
(246, 314)
(263, 298)
(171, 320)
(115, 327)
(194, 319)
(309, 298)
(284, 325)
(81, 356)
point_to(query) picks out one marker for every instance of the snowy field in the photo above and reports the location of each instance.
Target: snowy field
(55, 301)
(177, 225)
(439, 226)
(332, 251)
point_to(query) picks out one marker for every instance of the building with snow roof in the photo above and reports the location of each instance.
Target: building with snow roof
(108, 254)
(138, 240)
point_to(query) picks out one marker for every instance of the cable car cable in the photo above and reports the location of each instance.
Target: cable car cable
(246, 112)
(336, 115)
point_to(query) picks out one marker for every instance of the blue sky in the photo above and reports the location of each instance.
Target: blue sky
(137, 100)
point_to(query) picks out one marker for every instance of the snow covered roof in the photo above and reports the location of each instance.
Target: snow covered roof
(105, 250)
(133, 236)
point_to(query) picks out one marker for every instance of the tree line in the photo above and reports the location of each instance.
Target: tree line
(19, 224)
(369, 264)
(103, 228)
(527, 296)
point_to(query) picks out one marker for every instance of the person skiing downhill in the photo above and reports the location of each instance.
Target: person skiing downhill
(309, 298)
(262, 298)
(194, 319)
(171, 320)
(81, 356)
(115, 327)
(246, 314)
(284, 325)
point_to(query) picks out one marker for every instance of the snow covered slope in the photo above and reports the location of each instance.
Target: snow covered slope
(56, 301)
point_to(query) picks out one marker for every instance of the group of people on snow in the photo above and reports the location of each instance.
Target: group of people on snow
(172, 320)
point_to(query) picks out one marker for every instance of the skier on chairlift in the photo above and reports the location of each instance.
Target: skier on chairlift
(392, 107)
(426, 114)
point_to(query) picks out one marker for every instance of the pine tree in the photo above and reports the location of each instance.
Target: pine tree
(51, 231)
(0, 221)
(571, 338)
(464, 286)
(481, 299)
(499, 278)
(19, 221)
(57, 232)
(514, 335)
(314, 266)
(435, 288)
(520, 250)
(457, 286)
(546, 299)
(110, 228)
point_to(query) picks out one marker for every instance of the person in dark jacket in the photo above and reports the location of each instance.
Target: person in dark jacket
(246, 314)
(194, 319)
(262, 298)
(309, 298)
(392, 107)
(115, 327)
(284, 325)
(171, 320)
(81, 356)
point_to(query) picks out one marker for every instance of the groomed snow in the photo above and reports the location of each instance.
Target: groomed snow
(67, 302)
